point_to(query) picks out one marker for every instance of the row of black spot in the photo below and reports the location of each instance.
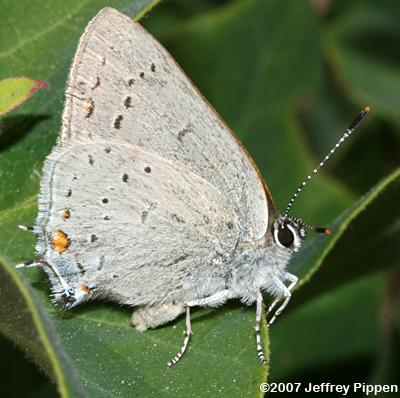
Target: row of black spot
(125, 177)
(128, 100)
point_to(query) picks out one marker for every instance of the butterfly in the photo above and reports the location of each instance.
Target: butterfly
(148, 199)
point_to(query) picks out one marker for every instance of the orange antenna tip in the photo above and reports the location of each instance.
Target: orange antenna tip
(326, 231)
(367, 109)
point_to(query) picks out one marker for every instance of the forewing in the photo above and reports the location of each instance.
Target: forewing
(125, 85)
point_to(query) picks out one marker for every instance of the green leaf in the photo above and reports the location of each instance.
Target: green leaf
(24, 320)
(367, 233)
(15, 91)
(331, 112)
(335, 330)
(365, 242)
(387, 371)
(360, 45)
(13, 358)
(254, 61)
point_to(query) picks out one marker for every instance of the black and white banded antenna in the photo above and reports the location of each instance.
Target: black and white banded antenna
(353, 126)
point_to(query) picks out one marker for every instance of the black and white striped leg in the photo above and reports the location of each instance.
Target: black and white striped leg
(29, 264)
(260, 351)
(286, 296)
(26, 228)
(188, 332)
(211, 301)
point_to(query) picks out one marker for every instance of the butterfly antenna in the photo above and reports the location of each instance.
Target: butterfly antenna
(354, 124)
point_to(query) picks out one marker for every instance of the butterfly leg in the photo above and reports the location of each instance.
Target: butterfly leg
(260, 351)
(215, 300)
(188, 332)
(211, 301)
(29, 264)
(26, 228)
(32, 263)
(286, 295)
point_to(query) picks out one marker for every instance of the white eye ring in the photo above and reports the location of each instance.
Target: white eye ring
(296, 238)
(277, 241)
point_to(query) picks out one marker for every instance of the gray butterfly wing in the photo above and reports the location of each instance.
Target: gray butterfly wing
(148, 192)
(124, 84)
(136, 227)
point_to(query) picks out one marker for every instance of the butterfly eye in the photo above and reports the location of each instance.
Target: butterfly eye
(285, 237)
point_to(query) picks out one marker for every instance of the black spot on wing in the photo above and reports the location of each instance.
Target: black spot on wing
(93, 238)
(117, 122)
(178, 219)
(96, 83)
(101, 264)
(144, 215)
(182, 133)
(81, 268)
(128, 102)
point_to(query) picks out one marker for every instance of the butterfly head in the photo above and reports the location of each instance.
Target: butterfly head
(290, 232)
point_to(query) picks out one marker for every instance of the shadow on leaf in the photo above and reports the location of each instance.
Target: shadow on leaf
(15, 128)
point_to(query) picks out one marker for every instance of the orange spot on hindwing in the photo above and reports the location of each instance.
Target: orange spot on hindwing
(85, 288)
(60, 241)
